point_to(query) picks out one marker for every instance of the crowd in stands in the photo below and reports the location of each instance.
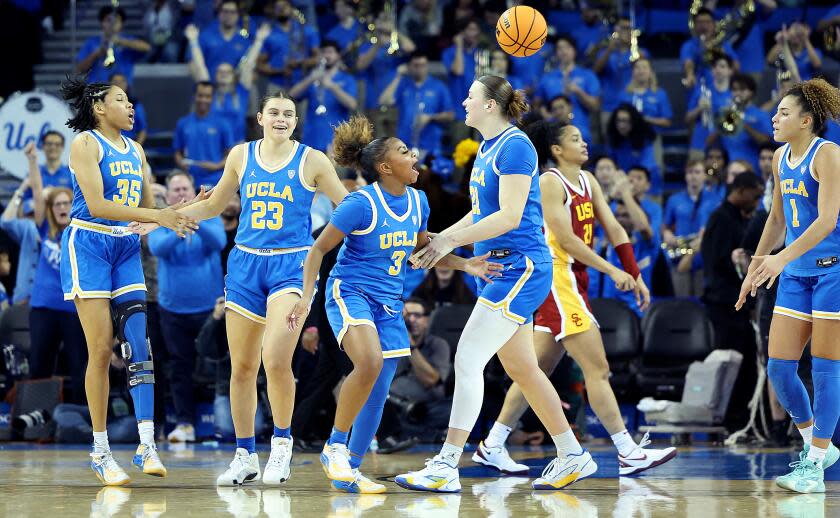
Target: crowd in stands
(409, 72)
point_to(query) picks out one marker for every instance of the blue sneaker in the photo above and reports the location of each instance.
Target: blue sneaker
(361, 484)
(831, 455)
(107, 470)
(806, 477)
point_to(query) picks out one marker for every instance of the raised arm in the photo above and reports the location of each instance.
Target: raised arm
(198, 67)
(36, 183)
(249, 62)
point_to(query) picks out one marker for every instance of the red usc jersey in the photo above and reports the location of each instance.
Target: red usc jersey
(582, 214)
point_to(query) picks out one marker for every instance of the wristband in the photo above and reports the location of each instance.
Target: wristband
(628, 259)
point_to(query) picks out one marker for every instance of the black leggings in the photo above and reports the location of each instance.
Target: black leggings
(48, 329)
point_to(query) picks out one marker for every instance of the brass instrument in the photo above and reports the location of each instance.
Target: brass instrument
(243, 31)
(110, 58)
(730, 120)
(482, 62)
(725, 28)
(682, 248)
(831, 43)
(390, 11)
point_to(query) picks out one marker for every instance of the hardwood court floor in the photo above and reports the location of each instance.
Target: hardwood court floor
(47, 481)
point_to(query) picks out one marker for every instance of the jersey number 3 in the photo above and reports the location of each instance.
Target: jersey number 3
(259, 210)
(397, 257)
(129, 193)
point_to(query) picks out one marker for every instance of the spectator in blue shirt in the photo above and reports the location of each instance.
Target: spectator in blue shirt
(706, 102)
(640, 179)
(578, 83)
(110, 52)
(189, 282)
(137, 132)
(423, 102)
(53, 172)
(500, 66)
(647, 97)
(52, 320)
(592, 31)
(630, 143)
(716, 160)
(749, 42)
(614, 64)
(202, 139)
(766, 152)
(530, 69)
(459, 61)
(686, 213)
(348, 29)
(798, 36)
(756, 125)
(377, 66)
(232, 86)
(694, 52)
(290, 50)
(26, 236)
(559, 109)
(331, 93)
(226, 40)
(645, 248)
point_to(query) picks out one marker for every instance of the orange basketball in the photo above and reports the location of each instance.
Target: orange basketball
(521, 31)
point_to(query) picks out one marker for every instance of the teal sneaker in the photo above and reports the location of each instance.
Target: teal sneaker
(801, 506)
(831, 455)
(806, 477)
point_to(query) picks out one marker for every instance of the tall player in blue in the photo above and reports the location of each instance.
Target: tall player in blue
(806, 203)
(277, 178)
(100, 268)
(506, 221)
(381, 225)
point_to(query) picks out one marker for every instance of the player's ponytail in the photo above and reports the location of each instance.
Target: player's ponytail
(819, 99)
(82, 96)
(512, 103)
(355, 147)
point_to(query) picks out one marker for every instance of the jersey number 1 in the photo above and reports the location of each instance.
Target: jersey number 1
(794, 213)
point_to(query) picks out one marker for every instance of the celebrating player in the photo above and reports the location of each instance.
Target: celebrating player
(381, 225)
(101, 270)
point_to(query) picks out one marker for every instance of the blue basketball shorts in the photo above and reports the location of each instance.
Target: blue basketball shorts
(348, 306)
(808, 297)
(100, 262)
(520, 290)
(255, 278)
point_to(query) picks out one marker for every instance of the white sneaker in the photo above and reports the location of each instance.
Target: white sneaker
(146, 458)
(565, 505)
(335, 459)
(492, 496)
(277, 469)
(439, 506)
(109, 501)
(107, 469)
(241, 502)
(498, 458)
(563, 471)
(641, 459)
(276, 503)
(182, 433)
(245, 467)
(439, 476)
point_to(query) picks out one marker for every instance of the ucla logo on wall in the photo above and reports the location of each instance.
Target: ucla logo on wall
(24, 118)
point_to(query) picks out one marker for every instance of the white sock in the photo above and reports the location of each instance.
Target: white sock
(816, 455)
(147, 432)
(100, 442)
(498, 435)
(624, 443)
(451, 454)
(566, 443)
(807, 433)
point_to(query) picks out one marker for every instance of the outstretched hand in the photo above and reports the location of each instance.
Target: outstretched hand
(480, 267)
(439, 247)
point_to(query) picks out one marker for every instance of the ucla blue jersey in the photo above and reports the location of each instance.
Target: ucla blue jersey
(375, 253)
(275, 201)
(122, 178)
(484, 194)
(800, 192)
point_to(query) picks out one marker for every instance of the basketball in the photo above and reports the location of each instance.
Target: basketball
(521, 31)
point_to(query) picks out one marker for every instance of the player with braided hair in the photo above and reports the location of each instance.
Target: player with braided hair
(806, 203)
